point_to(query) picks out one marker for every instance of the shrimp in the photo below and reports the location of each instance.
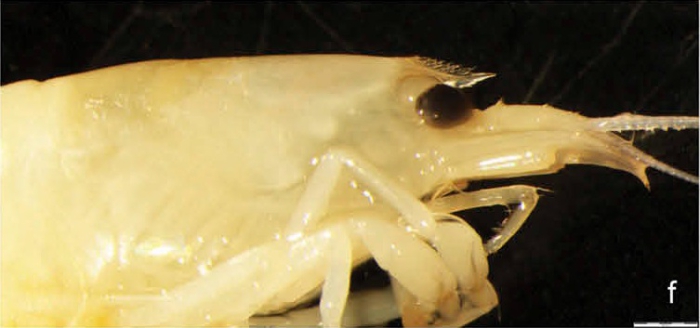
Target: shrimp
(238, 191)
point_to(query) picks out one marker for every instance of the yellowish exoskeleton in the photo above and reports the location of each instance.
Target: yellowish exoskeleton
(234, 191)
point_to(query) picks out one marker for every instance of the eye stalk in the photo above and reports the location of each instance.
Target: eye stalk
(443, 106)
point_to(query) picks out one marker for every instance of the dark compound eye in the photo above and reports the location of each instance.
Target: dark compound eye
(443, 106)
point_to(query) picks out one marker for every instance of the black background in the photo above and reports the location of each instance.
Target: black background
(601, 249)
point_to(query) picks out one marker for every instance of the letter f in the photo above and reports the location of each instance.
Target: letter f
(671, 288)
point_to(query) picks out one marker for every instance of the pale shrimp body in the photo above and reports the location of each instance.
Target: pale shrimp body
(214, 191)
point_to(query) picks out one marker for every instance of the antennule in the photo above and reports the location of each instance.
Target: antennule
(631, 122)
